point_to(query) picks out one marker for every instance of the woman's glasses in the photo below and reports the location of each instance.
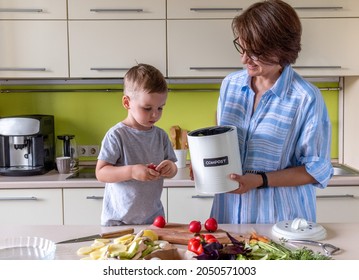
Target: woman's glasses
(242, 50)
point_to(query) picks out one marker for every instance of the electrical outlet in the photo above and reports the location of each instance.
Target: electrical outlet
(88, 150)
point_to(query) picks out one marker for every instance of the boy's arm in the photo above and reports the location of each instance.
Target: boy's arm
(108, 173)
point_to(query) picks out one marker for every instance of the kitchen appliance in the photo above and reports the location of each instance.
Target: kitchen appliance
(214, 155)
(27, 145)
(299, 228)
(66, 147)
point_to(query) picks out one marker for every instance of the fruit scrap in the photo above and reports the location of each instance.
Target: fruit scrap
(255, 237)
(127, 247)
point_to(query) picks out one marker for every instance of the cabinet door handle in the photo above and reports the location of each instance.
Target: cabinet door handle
(18, 198)
(318, 8)
(109, 69)
(216, 9)
(95, 197)
(21, 69)
(116, 10)
(318, 67)
(202, 196)
(5, 10)
(337, 196)
(215, 68)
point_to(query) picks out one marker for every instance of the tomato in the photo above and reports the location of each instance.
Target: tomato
(195, 226)
(151, 166)
(209, 238)
(195, 246)
(211, 225)
(159, 222)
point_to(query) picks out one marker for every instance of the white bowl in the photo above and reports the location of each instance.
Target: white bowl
(27, 248)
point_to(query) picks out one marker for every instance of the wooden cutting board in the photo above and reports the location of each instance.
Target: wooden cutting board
(179, 234)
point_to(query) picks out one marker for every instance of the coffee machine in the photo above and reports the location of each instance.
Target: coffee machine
(27, 145)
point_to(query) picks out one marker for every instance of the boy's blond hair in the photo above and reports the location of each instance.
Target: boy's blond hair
(145, 78)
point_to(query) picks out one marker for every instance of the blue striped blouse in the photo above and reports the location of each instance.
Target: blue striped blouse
(290, 127)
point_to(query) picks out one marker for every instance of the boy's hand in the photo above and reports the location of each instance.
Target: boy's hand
(167, 168)
(142, 172)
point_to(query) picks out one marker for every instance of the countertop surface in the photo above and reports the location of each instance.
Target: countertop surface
(53, 179)
(343, 236)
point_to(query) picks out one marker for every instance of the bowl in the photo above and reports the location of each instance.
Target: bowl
(27, 248)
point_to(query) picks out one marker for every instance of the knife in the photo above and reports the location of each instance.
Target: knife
(111, 234)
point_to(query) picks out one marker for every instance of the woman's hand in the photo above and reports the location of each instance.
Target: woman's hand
(246, 182)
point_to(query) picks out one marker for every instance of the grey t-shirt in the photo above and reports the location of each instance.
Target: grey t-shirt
(133, 202)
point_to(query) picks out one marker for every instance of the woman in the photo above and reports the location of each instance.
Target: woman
(283, 126)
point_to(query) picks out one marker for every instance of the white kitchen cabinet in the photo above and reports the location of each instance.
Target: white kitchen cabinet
(201, 48)
(33, 49)
(114, 9)
(31, 206)
(108, 48)
(338, 204)
(34, 9)
(185, 205)
(329, 47)
(83, 206)
(200, 38)
(230, 8)
(204, 9)
(325, 8)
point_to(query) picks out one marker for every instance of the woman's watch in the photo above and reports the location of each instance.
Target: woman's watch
(265, 180)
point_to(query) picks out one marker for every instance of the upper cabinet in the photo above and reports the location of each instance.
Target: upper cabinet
(33, 41)
(106, 38)
(329, 47)
(182, 38)
(115, 9)
(200, 39)
(34, 9)
(204, 9)
(325, 8)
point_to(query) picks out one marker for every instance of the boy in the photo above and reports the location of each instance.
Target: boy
(135, 155)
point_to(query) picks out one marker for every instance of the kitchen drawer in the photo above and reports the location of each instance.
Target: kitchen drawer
(114, 9)
(33, 49)
(201, 48)
(31, 206)
(338, 205)
(96, 52)
(325, 8)
(34, 9)
(83, 206)
(185, 205)
(201, 9)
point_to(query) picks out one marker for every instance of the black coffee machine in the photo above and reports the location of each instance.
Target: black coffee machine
(27, 145)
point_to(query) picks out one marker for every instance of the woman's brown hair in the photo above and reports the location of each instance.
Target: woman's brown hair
(270, 30)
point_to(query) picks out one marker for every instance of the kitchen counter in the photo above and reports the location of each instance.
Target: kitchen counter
(53, 179)
(343, 236)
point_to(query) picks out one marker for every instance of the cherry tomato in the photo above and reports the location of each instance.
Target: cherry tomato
(195, 246)
(151, 166)
(195, 226)
(159, 222)
(211, 224)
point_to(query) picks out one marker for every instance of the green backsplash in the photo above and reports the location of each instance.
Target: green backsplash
(88, 114)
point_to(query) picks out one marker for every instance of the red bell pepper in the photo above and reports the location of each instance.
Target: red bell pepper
(195, 246)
